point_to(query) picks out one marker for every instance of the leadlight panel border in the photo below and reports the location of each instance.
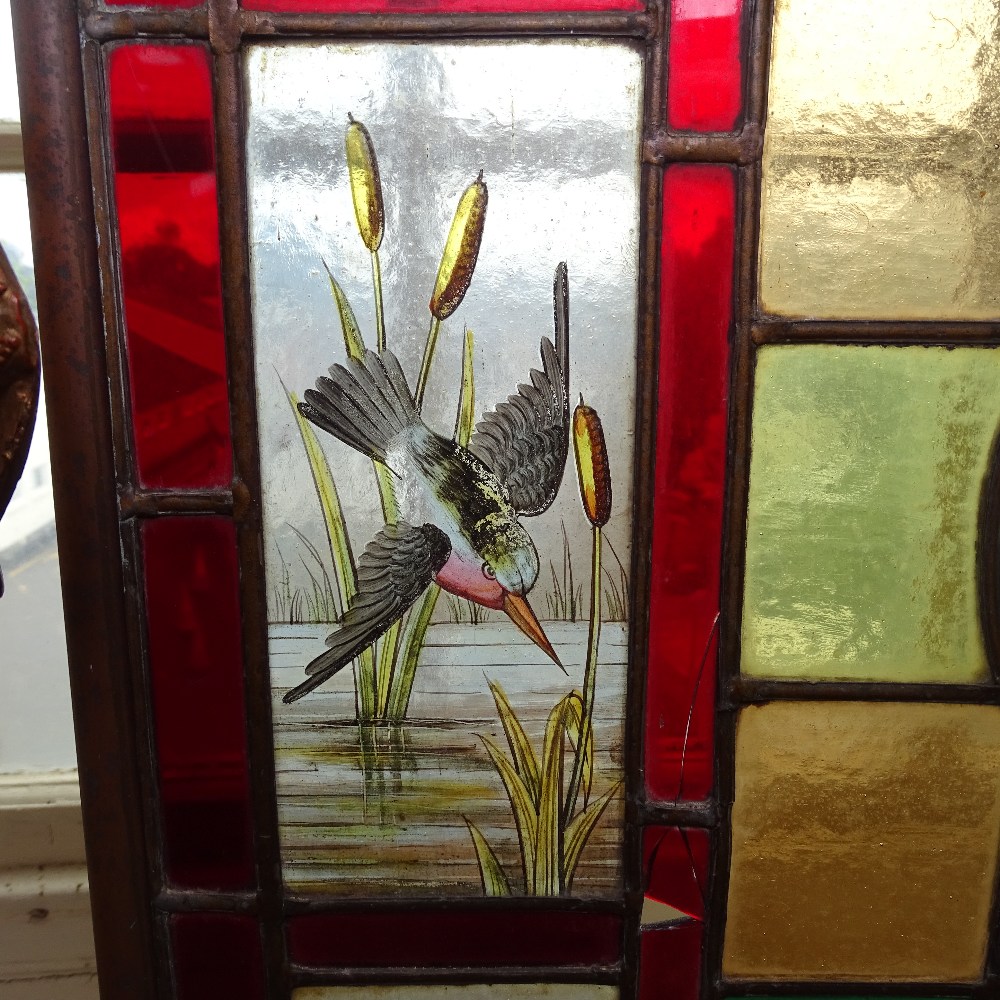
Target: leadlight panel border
(63, 97)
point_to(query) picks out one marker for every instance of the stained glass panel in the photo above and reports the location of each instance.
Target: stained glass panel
(196, 667)
(699, 206)
(428, 938)
(705, 78)
(879, 194)
(865, 485)
(216, 955)
(441, 6)
(670, 962)
(462, 687)
(484, 991)
(865, 841)
(165, 192)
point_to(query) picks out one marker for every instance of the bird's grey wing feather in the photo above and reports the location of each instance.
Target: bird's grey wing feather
(393, 572)
(524, 441)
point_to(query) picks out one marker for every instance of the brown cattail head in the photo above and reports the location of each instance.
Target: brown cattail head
(366, 186)
(461, 250)
(592, 464)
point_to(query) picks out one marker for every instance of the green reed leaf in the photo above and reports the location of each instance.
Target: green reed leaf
(578, 833)
(523, 808)
(344, 566)
(574, 726)
(494, 878)
(465, 419)
(353, 340)
(521, 750)
(548, 836)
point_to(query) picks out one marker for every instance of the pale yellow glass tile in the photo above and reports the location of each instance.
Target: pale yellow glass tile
(880, 192)
(864, 841)
(866, 472)
(478, 991)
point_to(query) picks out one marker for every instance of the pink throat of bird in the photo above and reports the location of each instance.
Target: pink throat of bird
(466, 580)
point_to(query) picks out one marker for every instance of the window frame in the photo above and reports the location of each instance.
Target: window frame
(61, 48)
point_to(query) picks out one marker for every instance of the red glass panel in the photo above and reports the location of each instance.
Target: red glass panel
(216, 955)
(165, 188)
(675, 867)
(442, 6)
(705, 77)
(444, 938)
(154, 3)
(699, 206)
(670, 963)
(196, 666)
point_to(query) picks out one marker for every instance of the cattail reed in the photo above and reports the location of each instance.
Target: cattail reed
(461, 250)
(458, 262)
(594, 474)
(366, 186)
(369, 211)
(592, 466)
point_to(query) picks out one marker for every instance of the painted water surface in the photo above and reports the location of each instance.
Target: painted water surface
(447, 532)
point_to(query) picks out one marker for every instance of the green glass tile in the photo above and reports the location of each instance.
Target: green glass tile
(866, 471)
(864, 841)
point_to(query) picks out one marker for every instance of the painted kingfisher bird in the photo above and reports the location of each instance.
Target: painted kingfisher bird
(459, 507)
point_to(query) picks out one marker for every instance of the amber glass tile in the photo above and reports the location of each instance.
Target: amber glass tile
(880, 194)
(865, 483)
(864, 841)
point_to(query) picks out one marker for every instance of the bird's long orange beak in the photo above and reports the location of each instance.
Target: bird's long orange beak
(524, 618)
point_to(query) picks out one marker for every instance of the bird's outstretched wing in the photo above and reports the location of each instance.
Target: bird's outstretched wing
(393, 572)
(524, 441)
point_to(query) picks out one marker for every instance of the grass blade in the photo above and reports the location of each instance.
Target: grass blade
(574, 727)
(388, 656)
(344, 566)
(521, 751)
(548, 837)
(578, 833)
(523, 808)
(410, 647)
(465, 419)
(490, 870)
(353, 340)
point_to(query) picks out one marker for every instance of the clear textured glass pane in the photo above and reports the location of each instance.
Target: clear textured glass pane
(865, 483)
(864, 841)
(880, 195)
(415, 806)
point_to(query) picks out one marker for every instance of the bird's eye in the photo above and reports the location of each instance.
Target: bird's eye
(489, 572)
